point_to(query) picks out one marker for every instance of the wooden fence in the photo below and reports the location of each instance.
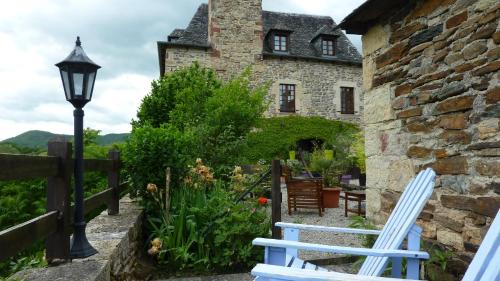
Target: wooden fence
(55, 226)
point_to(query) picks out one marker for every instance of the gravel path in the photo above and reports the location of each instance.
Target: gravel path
(331, 217)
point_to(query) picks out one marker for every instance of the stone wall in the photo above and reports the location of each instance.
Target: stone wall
(177, 57)
(235, 34)
(317, 86)
(118, 240)
(432, 100)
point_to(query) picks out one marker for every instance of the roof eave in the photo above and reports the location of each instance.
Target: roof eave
(323, 59)
(366, 15)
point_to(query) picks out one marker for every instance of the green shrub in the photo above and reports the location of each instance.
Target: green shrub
(190, 114)
(149, 151)
(273, 137)
(180, 95)
(204, 230)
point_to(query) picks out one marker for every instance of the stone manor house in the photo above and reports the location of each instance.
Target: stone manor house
(312, 67)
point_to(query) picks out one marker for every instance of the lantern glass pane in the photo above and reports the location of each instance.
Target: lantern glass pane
(90, 86)
(65, 80)
(78, 83)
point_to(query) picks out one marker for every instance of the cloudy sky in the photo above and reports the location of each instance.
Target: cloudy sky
(119, 35)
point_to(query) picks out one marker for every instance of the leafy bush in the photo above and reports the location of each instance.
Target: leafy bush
(204, 230)
(149, 151)
(273, 137)
(191, 114)
(180, 95)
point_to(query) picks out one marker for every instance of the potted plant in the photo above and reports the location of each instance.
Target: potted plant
(291, 152)
(360, 157)
(321, 164)
(328, 151)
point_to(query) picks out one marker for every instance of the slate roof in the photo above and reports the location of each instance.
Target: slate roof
(177, 33)
(364, 16)
(304, 33)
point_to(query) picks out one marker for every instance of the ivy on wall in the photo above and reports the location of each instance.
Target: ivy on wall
(274, 137)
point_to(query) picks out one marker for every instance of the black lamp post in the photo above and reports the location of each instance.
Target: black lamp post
(78, 76)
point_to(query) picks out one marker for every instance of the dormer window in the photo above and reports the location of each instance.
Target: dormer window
(328, 46)
(280, 42)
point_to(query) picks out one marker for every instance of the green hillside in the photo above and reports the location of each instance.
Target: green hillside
(39, 139)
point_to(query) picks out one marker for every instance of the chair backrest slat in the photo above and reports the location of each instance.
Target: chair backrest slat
(486, 263)
(404, 215)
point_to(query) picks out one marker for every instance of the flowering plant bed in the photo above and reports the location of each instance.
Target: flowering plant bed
(204, 230)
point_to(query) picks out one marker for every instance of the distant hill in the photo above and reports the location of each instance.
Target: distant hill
(39, 139)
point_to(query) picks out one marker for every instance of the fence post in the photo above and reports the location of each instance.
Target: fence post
(276, 197)
(58, 199)
(114, 182)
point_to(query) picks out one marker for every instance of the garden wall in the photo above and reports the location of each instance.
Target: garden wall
(432, 100)
(118, 240)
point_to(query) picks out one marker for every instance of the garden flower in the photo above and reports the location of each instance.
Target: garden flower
(237, 170)
(262, 201)
(156, 243)
(153, 251)
(151, 187)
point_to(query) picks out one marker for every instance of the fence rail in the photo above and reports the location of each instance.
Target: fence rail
(55, 226)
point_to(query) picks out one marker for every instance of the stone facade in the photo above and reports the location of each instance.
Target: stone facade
(432, 92)
(236, 39)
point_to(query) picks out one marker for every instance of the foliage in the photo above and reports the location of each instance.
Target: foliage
(368, 240)
(188, 114)
(180, 95)
(332, 169)
(362, 223)
(204, 230)
(273, 137)
(295, 166)
(90, 136)
(148, 153)
(359, 151)
(439, 257)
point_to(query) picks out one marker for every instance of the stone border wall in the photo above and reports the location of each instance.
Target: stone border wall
(431, 75)
(118, 240)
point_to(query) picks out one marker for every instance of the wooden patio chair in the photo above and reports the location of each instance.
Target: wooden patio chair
(484, 266)
(400, 225)
(304, 194)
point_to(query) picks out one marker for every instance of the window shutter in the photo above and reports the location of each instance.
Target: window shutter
(346, 100)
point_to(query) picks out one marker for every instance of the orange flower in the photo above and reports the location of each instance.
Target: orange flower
(262, 201)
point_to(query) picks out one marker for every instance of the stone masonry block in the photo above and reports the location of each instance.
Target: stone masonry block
(377, 105)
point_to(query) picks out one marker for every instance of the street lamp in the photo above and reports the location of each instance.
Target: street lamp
(78, 74)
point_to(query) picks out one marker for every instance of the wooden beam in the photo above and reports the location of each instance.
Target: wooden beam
(17, 238)
(276, 197)
(25, 167)
(98, 165)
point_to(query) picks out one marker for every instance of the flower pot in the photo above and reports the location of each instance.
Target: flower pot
(329, 154)
(362, 179)
(291, 153)
(331, 197)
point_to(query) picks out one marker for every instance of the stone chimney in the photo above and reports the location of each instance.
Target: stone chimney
(235, 33)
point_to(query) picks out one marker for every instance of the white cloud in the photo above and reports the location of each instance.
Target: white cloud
(120, 35)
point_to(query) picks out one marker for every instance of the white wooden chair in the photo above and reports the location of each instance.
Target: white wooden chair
(400, 225)
(484, 267)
